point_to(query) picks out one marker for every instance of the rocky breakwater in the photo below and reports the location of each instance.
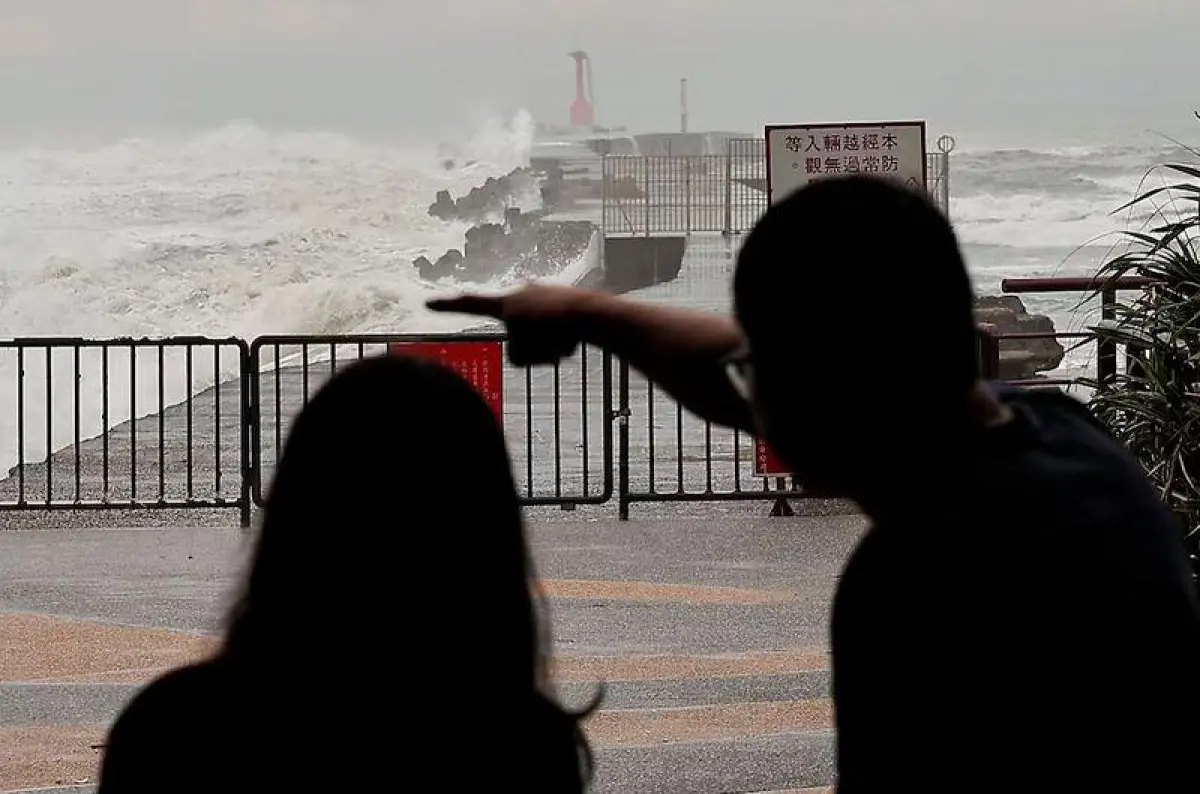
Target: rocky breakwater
(1020, 359)
(490, 199)
(524, 245)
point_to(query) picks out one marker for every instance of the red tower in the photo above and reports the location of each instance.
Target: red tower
(582, 114)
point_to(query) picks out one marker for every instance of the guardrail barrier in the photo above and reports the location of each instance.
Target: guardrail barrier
(727, 193)
(669, 455)
(197, 422)
(103, 424)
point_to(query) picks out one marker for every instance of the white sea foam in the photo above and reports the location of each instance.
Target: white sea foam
(236, 232)
(243, 232)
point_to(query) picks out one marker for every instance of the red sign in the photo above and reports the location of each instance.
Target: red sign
(766, 462)
(481, 364)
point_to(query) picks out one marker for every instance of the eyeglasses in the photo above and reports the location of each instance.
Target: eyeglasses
(740, 373)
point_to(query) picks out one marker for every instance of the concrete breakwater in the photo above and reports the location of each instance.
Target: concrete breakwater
(523, 245)
(507, 243)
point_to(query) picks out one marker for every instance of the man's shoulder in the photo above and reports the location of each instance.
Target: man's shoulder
(1084, 481)
(1050, 401)
(1066, 448)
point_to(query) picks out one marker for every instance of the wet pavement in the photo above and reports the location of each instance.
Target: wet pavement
(710, 635)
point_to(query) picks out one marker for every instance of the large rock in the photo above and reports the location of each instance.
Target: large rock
(1020, 359)
(443, 206)
(524, 245)
(491, 198)
(448, 264)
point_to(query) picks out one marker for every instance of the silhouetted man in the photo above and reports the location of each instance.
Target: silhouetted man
(1021, 612)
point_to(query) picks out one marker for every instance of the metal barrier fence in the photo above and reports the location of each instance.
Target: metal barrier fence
(558, 420)
(665, 194)
(669, 455)
(707, 193)
(197, 422)
(124, 424)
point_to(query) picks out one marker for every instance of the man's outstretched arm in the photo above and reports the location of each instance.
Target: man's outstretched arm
(679, 349)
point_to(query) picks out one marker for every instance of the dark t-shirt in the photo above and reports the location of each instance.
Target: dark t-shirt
(1026, 623)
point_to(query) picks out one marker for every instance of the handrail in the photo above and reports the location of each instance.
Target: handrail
(1017, 286)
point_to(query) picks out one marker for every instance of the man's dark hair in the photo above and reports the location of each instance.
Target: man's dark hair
(858, 278)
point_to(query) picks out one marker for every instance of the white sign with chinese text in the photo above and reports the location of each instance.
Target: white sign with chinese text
(799, 154)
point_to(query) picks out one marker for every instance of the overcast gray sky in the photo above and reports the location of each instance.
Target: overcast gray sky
(420, 69)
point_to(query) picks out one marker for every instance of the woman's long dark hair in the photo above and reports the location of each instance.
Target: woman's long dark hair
(395, 479)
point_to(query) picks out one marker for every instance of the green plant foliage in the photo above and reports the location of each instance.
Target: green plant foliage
(1152, 403)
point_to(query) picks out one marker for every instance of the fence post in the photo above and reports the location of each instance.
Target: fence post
(781, 508)
(989, 352)
(728, 230)
(646, 191)
(1106, 349)
(687, 186)
(945, 145)
(249, 421)
(604, 193)
(622, 416)
(945, 186)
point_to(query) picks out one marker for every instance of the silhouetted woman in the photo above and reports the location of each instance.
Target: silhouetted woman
(387, 637)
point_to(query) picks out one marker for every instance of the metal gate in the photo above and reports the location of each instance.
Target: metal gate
(665, 194)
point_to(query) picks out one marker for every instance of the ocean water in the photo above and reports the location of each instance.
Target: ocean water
(1054, 211)
(1020, 211)
(240, 231)
(232, 232)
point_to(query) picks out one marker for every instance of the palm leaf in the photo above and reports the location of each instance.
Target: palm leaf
(1154, 406)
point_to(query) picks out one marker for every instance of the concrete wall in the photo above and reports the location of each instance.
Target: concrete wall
(637, 262)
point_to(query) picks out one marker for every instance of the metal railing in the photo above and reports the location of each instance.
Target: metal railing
(665, 194)
(102, 424)
(558, 420)
(1107, 354)
(197, 422)
(667, 454)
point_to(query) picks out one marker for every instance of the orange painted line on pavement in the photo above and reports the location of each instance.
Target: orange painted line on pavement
(606, 590)
(50, 648)
(653, 727)
(680, 666)
(54, 649)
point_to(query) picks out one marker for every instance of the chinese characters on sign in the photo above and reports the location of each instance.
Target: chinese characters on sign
(797, 155)
(766, 464)
(479, 363)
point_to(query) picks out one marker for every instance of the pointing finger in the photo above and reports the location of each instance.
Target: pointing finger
(483, 305)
